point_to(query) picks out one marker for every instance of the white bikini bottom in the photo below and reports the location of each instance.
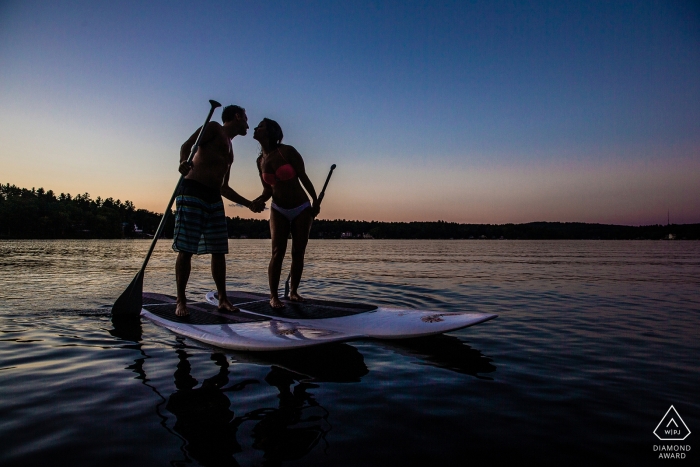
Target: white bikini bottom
(291, 214)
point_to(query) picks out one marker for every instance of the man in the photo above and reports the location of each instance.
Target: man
(200, 221)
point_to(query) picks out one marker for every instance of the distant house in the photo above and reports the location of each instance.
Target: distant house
(346, 235)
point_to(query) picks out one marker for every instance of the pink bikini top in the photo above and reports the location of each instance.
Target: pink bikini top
(282, 174)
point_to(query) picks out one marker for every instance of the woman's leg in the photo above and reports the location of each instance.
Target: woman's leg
(301, 226)
(279, 231)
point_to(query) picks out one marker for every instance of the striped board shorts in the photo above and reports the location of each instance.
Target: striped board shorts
(200, 221)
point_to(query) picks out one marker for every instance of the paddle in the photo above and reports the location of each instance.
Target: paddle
(323, 191)
(320, 198)
(128, 305)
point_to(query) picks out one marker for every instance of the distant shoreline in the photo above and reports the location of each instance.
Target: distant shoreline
(239, 228)
(40, 214)
(2, 239)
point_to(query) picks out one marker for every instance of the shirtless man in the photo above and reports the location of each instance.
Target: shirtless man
(200, 221)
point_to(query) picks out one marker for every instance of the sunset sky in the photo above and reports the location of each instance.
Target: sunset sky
(477, 112)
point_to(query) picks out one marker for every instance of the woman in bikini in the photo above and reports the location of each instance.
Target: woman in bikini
(282, 174)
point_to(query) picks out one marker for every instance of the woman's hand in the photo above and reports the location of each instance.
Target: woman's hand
(257, 205)
(316, 208)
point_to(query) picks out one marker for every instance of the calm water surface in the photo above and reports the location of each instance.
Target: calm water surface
(593, 343)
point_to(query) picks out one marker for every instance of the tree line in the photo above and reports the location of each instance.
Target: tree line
(38, 214)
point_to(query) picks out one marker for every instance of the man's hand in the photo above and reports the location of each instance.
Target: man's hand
(185, 167)
(257, 206)
(315, 209)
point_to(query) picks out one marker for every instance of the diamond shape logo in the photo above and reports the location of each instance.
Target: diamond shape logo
(672, 427)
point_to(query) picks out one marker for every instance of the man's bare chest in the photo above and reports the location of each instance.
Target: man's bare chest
(217, 155)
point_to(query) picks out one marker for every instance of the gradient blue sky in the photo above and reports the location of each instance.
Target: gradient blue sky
(484, 112)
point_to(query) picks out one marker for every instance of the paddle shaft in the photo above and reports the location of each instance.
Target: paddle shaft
(161, 226)
(323, 190)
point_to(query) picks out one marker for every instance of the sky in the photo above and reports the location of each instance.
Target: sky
(470, 112)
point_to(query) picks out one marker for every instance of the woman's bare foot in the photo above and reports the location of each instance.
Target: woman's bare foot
(181, 309)
(226, 307)
(295, 297)
(276, 303)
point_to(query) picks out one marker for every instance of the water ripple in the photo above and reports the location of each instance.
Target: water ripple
(594, 341)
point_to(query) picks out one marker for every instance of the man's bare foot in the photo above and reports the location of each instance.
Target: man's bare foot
(181, 309)
(295, 297)
(226, 307)
(276, 303)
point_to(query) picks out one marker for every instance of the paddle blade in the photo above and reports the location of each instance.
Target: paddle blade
(129, 302)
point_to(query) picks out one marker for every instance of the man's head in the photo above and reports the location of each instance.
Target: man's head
(235, 120)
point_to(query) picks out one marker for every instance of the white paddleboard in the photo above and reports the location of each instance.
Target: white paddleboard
(354, 318)
(237, 331)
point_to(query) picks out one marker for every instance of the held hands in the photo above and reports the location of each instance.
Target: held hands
(257, 205)
(316, 208)
(185, 168)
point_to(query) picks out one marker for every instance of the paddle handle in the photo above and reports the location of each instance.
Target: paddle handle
(195, 146)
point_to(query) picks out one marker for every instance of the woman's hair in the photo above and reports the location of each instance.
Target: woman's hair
(274, 130)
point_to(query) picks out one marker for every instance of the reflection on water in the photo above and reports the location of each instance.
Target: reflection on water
(446, 352)
(209, 428)
(293, 428)
(127, 329)
(204, 420)
(331, 363)
(563, 374)
(207, 425)
(203, 417)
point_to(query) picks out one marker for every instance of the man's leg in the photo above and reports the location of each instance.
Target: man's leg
(218, 272)
(183, 265)
(188, 225)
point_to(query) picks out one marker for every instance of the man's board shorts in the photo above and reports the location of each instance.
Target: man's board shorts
(200, 221)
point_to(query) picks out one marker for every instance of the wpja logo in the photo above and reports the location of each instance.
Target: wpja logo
(672, 428)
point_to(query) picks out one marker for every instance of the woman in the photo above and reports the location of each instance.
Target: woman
(282, 174)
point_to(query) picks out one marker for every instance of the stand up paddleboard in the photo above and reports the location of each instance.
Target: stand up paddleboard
(237, 331)
(260, 327)
(353, 318)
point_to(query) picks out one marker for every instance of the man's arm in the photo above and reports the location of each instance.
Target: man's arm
(228, 192)
(209, 134)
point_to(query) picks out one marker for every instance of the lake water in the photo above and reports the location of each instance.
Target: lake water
(594, 342)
